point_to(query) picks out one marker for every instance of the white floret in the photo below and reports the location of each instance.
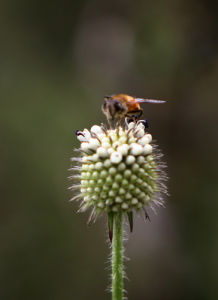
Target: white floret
(114, 136)
(140, 133)
(147, 149)
(93, 144)
(99, 165)
(86, 198)
(116, 144)
(96, 129)
(105, 139)
(107, 163)
(140, 125)
(124, 206)
(123, 149)
(93, 157)
(85, 146)
(106, 145)
(85, 159)
(130, 159)
(100, 205)
(87, 134)
(85, 167)
(121, 131)
(136, 149)
(146, 139)
(110, 151)
(123, 139)
(102, 152)
(118, 200)
(81, 138)
(116, 157)
(131, 125)
(149, 137)
(134, 201)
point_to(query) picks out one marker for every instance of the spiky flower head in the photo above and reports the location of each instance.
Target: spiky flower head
(119, 170)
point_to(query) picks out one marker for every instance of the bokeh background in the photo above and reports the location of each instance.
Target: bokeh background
(57, 61)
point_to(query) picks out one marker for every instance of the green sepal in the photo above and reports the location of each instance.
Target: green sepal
(110, 225)
(130, 219)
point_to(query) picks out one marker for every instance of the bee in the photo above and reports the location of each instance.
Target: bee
(117, 107)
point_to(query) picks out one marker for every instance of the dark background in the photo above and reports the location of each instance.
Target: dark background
(57, 61)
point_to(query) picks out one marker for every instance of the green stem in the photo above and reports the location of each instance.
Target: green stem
(117, 257)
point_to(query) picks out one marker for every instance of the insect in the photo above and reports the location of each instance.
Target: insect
(117, 107)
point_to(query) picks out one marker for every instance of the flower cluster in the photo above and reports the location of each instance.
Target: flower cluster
(119, 170)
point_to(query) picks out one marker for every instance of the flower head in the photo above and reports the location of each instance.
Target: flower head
(119, 170)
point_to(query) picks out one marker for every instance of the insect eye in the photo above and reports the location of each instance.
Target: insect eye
(145, 123)
(118, 106)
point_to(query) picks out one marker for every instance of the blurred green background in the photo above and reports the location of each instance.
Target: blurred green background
(57, 61)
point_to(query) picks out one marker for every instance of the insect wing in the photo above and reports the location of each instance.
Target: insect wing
(141, 100)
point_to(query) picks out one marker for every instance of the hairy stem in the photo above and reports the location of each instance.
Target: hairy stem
(117, 257)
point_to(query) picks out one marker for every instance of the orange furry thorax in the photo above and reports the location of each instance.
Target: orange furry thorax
(127, 100)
